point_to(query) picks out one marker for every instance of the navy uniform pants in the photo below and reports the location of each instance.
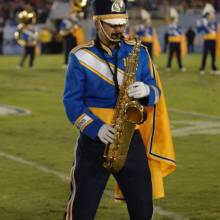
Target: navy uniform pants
(209, 47)
(90, 178)
(28, 51)
(174, 48)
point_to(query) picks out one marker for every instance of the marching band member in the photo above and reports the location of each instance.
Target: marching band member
(208, 27)
(27, 36)
(67, 27)
(94, 75)
(176, 40)
(148, 34)
(71, 30)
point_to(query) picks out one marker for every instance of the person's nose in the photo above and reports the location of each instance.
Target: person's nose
(118, 28)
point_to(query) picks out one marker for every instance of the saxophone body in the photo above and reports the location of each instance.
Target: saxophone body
(128, 112)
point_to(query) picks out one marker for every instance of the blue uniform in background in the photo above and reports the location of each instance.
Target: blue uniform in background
(209, 32)
(29, 36)
(90, 85)
(146, 34)
(174, 40)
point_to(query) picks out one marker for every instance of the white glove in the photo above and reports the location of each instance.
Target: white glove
(106, 134)
(138, 90)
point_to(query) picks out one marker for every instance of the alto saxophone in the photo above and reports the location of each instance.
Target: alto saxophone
(128, 112)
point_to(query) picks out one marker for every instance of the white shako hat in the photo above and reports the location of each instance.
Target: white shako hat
(173, 13)
(145, 15)
(208, 9)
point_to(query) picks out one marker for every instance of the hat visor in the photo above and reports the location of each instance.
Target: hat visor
(116, 21)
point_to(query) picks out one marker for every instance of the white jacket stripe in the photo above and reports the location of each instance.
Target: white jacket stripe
(98, 66)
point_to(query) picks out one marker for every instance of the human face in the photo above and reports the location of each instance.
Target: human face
(147, 22)
(211, 17)
(175, 20)
(110, 34)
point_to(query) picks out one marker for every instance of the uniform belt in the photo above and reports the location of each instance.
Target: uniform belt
(174, 39)
(148, 39)
(212, 36)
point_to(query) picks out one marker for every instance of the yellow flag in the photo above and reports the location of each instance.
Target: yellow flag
(156, 45)
(80, 35)
(37, 50)
(183, 46)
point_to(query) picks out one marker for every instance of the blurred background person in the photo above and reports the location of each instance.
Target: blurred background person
(71, 31)
(69, 40)
(207, 27)
(26, 35)
(148, 34)
(190, 37)
(176, 41)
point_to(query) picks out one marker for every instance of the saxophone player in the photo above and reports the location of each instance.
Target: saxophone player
(93, 79)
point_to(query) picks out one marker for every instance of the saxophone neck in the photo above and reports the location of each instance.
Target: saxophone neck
(137, 46)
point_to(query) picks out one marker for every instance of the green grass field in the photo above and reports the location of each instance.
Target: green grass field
(37, 149)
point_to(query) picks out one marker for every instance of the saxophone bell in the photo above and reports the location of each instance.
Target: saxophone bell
(135, 112)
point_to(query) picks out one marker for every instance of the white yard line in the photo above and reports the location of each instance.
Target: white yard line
(170, 215)
(13, 110)
(65, 178)
(42, 168)
(189, 127)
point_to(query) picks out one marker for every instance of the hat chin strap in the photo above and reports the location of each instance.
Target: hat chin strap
(106, 35)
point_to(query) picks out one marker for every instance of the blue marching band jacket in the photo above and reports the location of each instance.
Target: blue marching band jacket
(207, 29)
(174, 33)
(89, 83)
(147, 32)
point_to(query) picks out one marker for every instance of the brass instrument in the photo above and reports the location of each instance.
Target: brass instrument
(25, 17)
(128, 113)
(78, 5)
(18, 34)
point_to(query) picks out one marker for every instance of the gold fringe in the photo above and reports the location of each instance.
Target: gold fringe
(86, 45)
(109, 16)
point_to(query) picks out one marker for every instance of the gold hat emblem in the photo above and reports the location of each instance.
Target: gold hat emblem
(118, 6)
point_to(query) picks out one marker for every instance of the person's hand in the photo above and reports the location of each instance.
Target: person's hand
(106, 134)
(138, 90)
